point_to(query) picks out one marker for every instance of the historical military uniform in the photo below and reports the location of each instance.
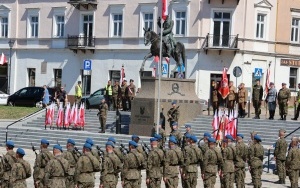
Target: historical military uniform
(255, 161)
(280, 154)
(284, 95)
(154, 167)
(111, 167)
(215, 100)
(228, 154)
(240, 163)
(72, 157)
(173, 115)
(271, 99)
(103, 108)
(123, 95)
(40, 163)
(116, 92)
(242, 100)
(298, 106)
(177, 134)
(293, 166)
(231, 98)
(257, 94)
(8, 161)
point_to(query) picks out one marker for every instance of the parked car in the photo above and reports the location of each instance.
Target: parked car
(29, 96)
(94, 100)
(3, 98)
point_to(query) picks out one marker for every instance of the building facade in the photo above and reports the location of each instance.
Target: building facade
(52, 39)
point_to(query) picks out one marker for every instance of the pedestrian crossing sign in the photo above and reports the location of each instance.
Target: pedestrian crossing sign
(257, 72)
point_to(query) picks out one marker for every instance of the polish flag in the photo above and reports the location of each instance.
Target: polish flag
(164, 11)
(154, 72)
(3, 59)
(215, 123)
(67, 115)
(75, 115)
(60, 114)
(81, 116)
(224, 88)
(49, 115)
(71, 115)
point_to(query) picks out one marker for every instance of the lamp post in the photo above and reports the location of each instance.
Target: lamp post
(11, 44)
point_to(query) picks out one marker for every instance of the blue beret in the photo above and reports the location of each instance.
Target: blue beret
(135, 136)
(153, 139)
(187, 135)
(10, 143)
(211, 140)
(207, 135)
(44, 141)
(88, 146)
(89, 141)
(256, 137)
(194, 138)
(133, 143)
(110, 143)
(188, 125)
(240, 135)
(229, 137)
(57, 147)
(71, 141)
(175, 124)
(174, 102)
(20, 151)
(173, 139)
(158, 136)
(112, 139)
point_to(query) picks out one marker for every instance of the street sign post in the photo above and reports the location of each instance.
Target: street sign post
(258, 73)
(237, 72)
(87, 70)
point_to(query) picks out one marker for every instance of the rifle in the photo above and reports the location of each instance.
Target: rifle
(76, 151)
(174, 111)
(145, 148)
(203, 137)
(100, 152)
(33, 149)
(123, 149)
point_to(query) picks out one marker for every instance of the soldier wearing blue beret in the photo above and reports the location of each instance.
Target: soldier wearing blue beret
(8, 161)
(240, 161)
(20, 168)
(173, 114)
(72, 156)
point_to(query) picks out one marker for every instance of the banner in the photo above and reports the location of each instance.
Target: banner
(3, 59)
(164, 11)
(224, 88)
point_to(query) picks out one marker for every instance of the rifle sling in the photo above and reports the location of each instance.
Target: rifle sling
(24, 170)
(91, 162)
(137, 159)
(62, 166)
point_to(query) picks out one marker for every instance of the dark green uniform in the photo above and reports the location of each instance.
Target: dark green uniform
(228, 154)
(239, 163)
(72, 157)
(257, 94)
(154, 167)
(111, 167)
(40, 163)
(284, 96)
(8, 160)
(293, 166)
(255, 157)
(280, 154)
(173, 115)
(161, 143)
(177, 134)
(298, 107)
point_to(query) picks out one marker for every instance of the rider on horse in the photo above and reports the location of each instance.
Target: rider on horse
(168, 38)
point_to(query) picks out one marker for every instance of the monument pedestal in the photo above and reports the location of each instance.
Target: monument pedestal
(144, 106)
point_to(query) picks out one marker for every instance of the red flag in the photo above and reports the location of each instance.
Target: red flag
(224, 88)
(71, 115)
(164, 11)
(156, 59)
(267, 82)
(59, 119)
(67, 115)
(48, 116)
(75, 115)
(3, 59)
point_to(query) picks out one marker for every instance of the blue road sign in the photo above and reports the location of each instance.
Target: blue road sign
(257, 72)
(87, 64)
(182, 68)
(164, 69)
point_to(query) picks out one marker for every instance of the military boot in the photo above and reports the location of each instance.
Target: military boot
(281, 117)
(294, 119)
(284, 117)
(278, 182)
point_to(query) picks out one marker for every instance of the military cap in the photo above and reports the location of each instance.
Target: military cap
(20, 151)
(88, 146)
(207, 135)
(44, 141)
(253, 133)
(229, 137)
(134, 136)
(188, 126)
(158, 136)
(256, 137)
(240, 135)
(110, 143)
(187, 135)
(58, 147)
(10, 143)
(174, 102)
(283, 83)
(133, 143)
(173, 139)
(89, 141)
(175, 124)
(112, 139)
(71, 141)
(153, 139)
(282, 130)
(193, 138)
(210, 139)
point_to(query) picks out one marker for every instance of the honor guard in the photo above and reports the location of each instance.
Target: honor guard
(173, 114)
(284, 95)
(228, 153)
(176, 133)
(240, 161)
(280, 156)
(231, 97)
(7, 162)
(242, 100)
(297, 102)
(293, 163)
(257, 94)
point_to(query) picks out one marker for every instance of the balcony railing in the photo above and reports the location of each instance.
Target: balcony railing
(220, 42)
(223, 1)
(81, 43)
(84, 4)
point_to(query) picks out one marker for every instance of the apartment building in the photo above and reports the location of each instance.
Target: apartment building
(52, 39)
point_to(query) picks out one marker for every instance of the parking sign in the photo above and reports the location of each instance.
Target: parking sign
(87, 64)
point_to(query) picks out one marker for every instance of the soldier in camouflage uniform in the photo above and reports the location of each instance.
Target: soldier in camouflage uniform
(240, 161)
(280, 156)
(188, 128)
(192, 157)
(293, 163)
(297, 101)
(215, 98)
(8, 160)
(86, 167)
(123, 95)
(173, 114)
(111, 167)
(72, 156)
(212, 163)
(154, 165)
(20, 171)
(102, 114)
(255, 161)
(231, 98)
(257, 94)
(56, 170)
(203, 145)
(40, 163)
(116, 94)
(284, 95)
(176, 133)
(133, 163)
(160, 143)
(94, 151)
(228, 153)
(173, 159)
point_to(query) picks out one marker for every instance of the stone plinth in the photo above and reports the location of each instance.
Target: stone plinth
(144, 106)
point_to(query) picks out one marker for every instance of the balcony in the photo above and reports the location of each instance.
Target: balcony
(84, 4)
(220, 42)
(81, 43)
(223, 1)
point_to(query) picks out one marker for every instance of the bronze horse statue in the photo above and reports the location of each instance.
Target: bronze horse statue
(150, 37)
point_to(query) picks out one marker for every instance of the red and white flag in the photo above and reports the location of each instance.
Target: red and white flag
(71, 115)
(224, 88)
(67, 115)
(164, 11)
(215, 124)
(267, 82)
(167, 59)
(60, 115)
(49, 115)
(75, 115)
(81, 116)
(122, 75)
(3, 59)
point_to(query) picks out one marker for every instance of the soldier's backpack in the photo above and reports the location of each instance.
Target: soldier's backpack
(96, 168)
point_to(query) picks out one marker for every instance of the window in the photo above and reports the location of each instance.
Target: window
(86, 83)
(260, 27)
(57, 77)
(4, 27)
(34, 26)
(180, 21)
(148, 21)
(295, 30)
(60, 26)
(293, 78)
(31, 77)
(221, 28)
(115, 76)
(117, 24)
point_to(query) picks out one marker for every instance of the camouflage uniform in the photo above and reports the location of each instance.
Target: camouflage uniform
(56, 172)
(298, 107)
(130, 94)
(116, 90)
(228, 154)
(242, 100)
(154, 167)
(203, 147)
(255, 157)
(293, 166)
(215, 100)
(161, 144)
(184, 139)
(177, 134)
(239, 163)
(231, 98)
(280, 154)
(94, 152)
(20, 171)
(72, 157)
(131, 173)
(173, 158)
(8, 161)
(86, 167)
(123, 91)
(103, 108)
(212, 159)
(39, 166)
(257, 94)
(284, 95)
(174, 113)
(111, 167)
(192, 157)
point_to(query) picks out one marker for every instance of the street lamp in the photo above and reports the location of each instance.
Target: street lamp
(11, 44)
